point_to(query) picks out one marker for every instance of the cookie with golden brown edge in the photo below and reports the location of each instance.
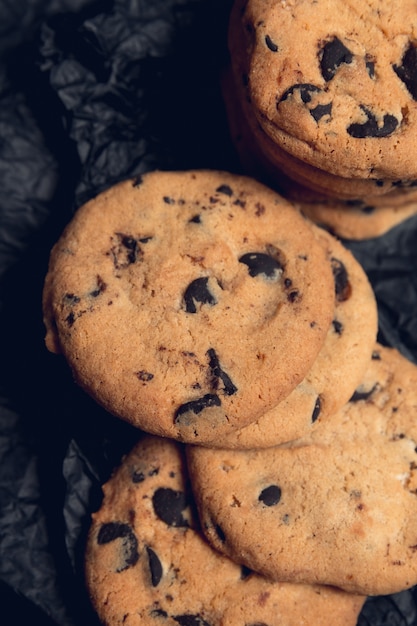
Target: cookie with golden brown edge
(188, 303)
(329, 90)
(338, 368)
(338, 507)
(353, 218)
(147, 562)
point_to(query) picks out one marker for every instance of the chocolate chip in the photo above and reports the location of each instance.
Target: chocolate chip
(169, 506)
(118, 530)
(337, 327)
(370, 66)
(125, 251)
(71, 298)
(220, 533)
(332, 56)
(321, 110)
(376, 356)
(316, 410)
(343, 288)
(168, 200)
(101, 287)
(293, 296)
(70, 319)
(137, 181)
(271, 45)
(228, 191)
(138, 477)
(370, 128)
(190, 620)
(196, 406)
(158, 613)
(144, 376)
(155, 567)
(270, 495)
(198, 291)
(407, 72)
(261, 263)
(245, 572)
(362, 394)
(196, 219)
(305, 90)
(217, 372)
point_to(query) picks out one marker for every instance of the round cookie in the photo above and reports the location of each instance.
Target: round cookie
(147, 562)
(329, 90)
(365, 218)
(338, 507)
(338, 368)
(188, 303)
(353, 218)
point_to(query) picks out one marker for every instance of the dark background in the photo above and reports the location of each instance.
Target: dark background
(92, 93)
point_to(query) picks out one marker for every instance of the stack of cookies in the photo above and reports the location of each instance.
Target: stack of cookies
(322, 104)
(273, 481)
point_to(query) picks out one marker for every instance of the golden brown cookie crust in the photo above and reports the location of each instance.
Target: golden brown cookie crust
(337, 507)
(338, 368)
(331, 84)
(188, 303)
(148, 563)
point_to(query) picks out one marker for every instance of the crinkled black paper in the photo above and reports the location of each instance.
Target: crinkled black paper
(92, 92)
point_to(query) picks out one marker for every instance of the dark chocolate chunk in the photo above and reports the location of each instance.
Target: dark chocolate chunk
(196, 219)
(321, 110)
(155, 567)
(198, 291)
(370, 66)
(270, 495)
(190, 620)
(305, 89)
(370, 128)
(217, 372)
(261, 263)
(101, 287)
(362, 394)
(343, 287)
(118, 530)
(316, 410)
(169, 200)
(293, 295)
(137, 181)
(70, 319)
(125, 252)
(138, 476)
(158, 613)
(337, 327)
(196, 406)
(376, 356)
(144, 376)
(245, 572)
(332, 56)
(407, 71)
(220, 533)
(226, 189)
(169, 506)
(271, 45)
(71, 298)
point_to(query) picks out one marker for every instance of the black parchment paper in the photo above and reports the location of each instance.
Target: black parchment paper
(92, 93)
